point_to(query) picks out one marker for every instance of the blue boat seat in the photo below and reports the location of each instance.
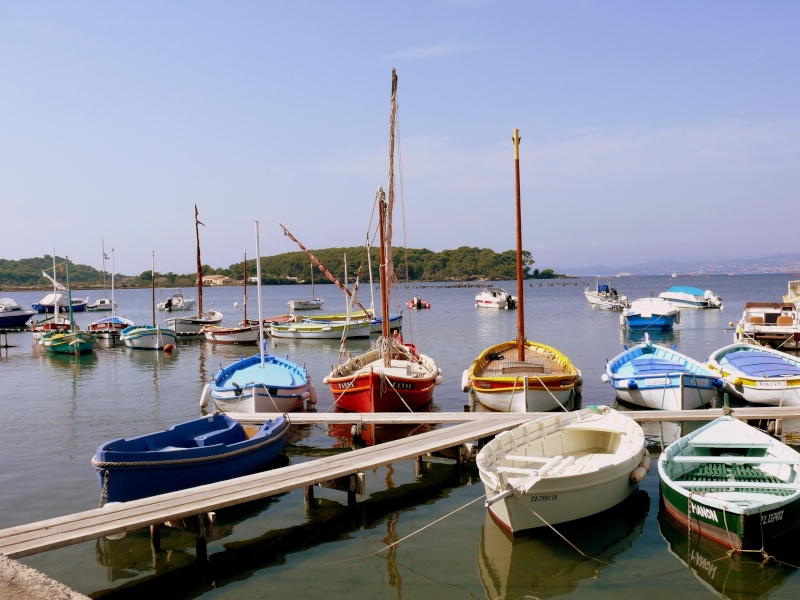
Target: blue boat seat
(761, 364)
(221, 436)
(655, 366)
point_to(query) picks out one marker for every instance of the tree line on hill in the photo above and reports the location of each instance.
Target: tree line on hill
(462, 264)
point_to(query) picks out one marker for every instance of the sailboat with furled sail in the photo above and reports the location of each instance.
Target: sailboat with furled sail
(194, 325)
(244, 333)
(521, 375)
(391, 375)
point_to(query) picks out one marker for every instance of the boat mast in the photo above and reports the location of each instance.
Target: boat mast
(387, 265)
(113, 305)
(197, 224)
(103, 243)
(382, 270)
(313, 297)
(520, 284)
(244, 277)
(258, 277)
(153, 284)
(69, 297)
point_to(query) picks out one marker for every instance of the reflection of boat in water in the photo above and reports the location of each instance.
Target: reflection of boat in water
(544, 565)
(369, 434)
(736, 575)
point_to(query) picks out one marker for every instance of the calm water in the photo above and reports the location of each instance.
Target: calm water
(59, 409)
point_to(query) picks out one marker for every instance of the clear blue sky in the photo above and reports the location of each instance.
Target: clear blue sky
(650, 129)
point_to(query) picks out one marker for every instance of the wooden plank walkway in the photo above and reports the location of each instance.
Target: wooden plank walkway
(409, 418)
(24, 540)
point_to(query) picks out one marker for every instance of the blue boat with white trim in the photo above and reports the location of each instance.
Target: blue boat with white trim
(654, 376)
(651, 314)
(198, 452)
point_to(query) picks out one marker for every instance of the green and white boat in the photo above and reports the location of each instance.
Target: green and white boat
(733, 484)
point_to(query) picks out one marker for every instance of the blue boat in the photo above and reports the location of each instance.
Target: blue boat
(198, 452)
(652, 314)
(12, 314)
(654, 376)
(260, 383)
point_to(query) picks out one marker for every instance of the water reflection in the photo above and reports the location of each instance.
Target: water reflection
(630, 338)
(543, 565)
(735, 575)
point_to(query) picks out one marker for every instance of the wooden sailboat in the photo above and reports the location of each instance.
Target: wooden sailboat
(110, 327)
(56, 322)
(521, 375)
(73, 341)
(103, 303)
(194, 325)
(149, 337)
(260, 383)
(391, 375)
(244, 333)
(314, 303)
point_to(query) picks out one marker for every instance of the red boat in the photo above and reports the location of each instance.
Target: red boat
(391, 376)
(417, 302)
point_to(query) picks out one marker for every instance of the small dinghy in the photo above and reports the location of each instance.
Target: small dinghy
(733, 484)
(562, 467)
(198, 452)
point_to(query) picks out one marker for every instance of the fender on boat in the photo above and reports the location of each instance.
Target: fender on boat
(466, 384)
(205, 396)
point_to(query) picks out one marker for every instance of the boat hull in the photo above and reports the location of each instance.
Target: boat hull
(545, 381)
(194, 325)
(199, 452)
(691, 297)
(582, 464)
(743, 494)
(658, 377)
(247, 334)
(495, 297)
(320, 331)
(16, 320)
(757, 374)
(280, 386)
(65, 342)
(147, 337)
(314, 304)
(367, 384)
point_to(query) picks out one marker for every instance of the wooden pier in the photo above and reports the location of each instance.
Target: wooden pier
(463, 428)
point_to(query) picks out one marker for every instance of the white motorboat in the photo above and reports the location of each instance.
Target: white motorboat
(176, 302)
(495, 297)
(686, 296)
(604, 297)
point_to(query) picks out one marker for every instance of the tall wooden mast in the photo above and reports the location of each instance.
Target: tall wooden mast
(197, 224)
(520, 283)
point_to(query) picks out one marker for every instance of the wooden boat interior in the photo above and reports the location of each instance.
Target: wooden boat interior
(538, 362)
(539, 449)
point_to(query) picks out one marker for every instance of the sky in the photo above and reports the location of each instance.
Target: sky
(649, 130)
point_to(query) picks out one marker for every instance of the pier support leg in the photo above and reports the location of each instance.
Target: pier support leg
(155, 538)
(309, 497)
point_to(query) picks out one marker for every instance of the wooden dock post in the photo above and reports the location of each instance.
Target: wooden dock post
(155, 539)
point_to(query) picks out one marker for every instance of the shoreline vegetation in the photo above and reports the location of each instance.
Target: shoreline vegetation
(468, 266)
